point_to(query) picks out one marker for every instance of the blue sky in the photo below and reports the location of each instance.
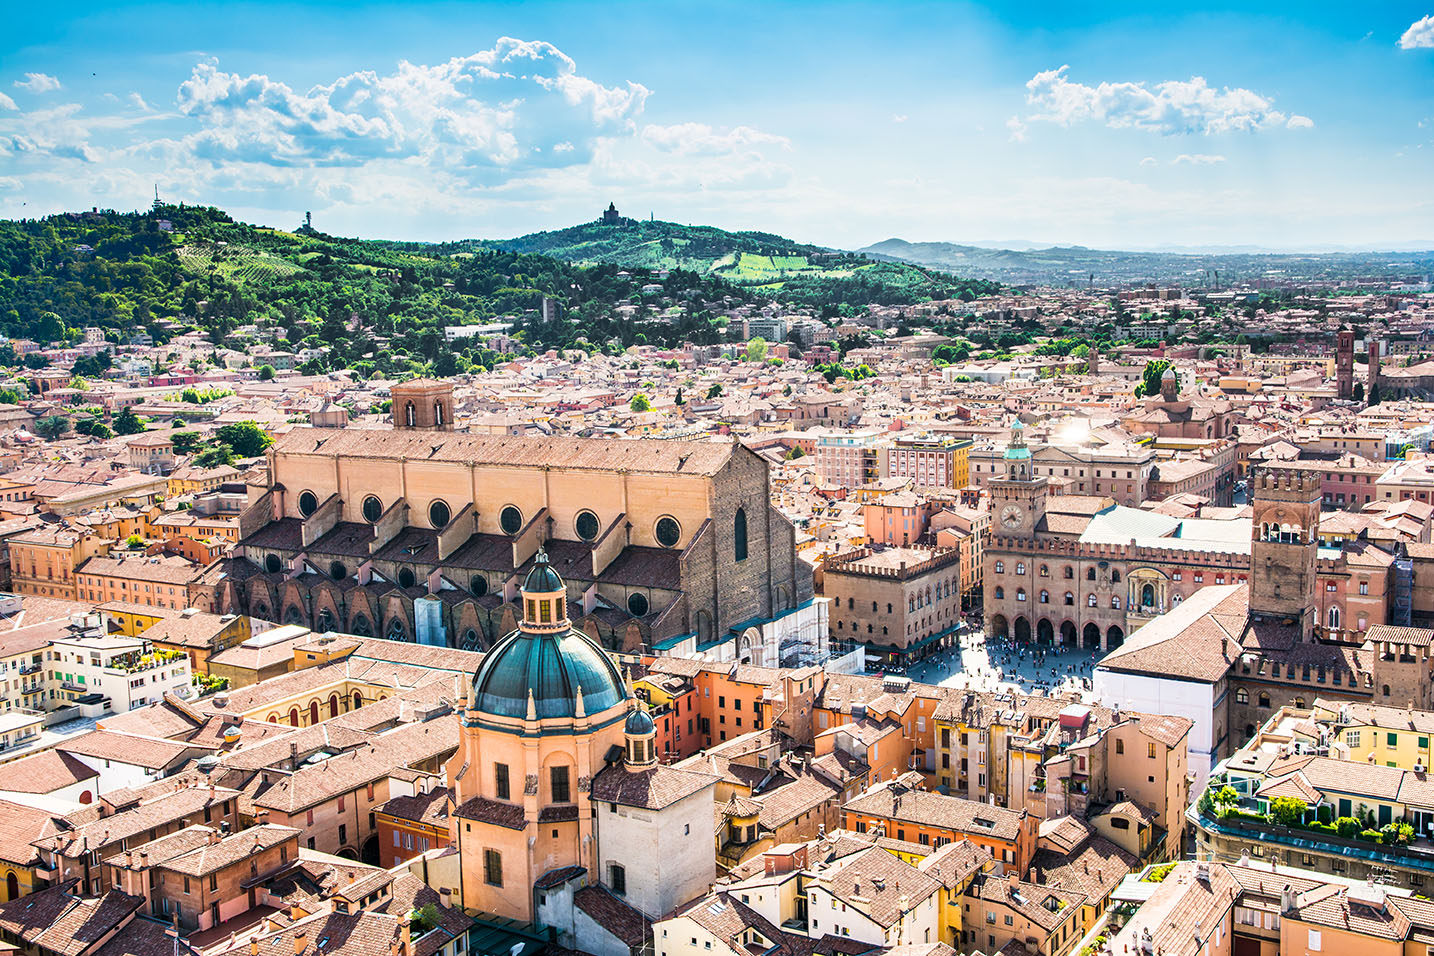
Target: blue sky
(1128, 126)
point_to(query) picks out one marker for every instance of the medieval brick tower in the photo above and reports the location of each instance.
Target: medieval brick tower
(423, 403)
(1344, 365)
(1286, 504)
(1375, 350)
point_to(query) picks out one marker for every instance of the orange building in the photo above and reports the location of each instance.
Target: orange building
(412, 823)
(907, 812)
(137, 578)
(43, 561)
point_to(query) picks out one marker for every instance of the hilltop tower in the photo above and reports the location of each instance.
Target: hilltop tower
(610, 216)
(1344, 365)
(1284, 543)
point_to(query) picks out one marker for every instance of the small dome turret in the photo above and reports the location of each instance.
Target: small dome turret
(639, 739)
(541, 577)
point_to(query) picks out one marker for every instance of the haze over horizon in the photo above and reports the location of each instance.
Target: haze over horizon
(1293, 128)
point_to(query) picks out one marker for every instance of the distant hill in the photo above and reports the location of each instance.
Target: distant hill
(1076, 265)
(793, 271)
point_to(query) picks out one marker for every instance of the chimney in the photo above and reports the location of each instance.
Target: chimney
(213, 837)
(1013, 878)
(261, 816)
(1287, 899)
(293, 755)
(301, 941)
(446, 896)
(253, 946)
(405, 936)
(295, 914)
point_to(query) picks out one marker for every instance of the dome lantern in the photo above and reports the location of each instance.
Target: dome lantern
(545, 598)
(640, 739)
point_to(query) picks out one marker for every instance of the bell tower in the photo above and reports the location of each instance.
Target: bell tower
(423, 403)
(1284, 545)
(1018, 500)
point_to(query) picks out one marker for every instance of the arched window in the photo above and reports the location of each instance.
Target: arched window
(1045, 597)
(1115, 601)
(1020, 594)
(1020, 567)
(313, 712)
(293, 716)
(333, 705)
(739, 535)
(358, 700)
(293, 615)
(1090, 574)
(1070, 599)
(438, 413)
(1114, 576)
(1045, 571)
(470, 640)
(396, 630)
(360, 625)
(1069, 573)
(1264, 699)
(1000, 567)
(410, 415)
(1090, 600)
(1386, 690)
(1147, 596)
(1242, 696)
(1000, 593)
(1333, 616)
(325, 620)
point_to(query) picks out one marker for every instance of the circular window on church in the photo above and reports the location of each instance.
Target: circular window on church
(478, 584)
(308, 503)
(510, 519)
(338, 572)
(586, 525)
(272, 564)
(438, 515)
(637, 604)
(372, 509)
(406, 578)
(668, 532)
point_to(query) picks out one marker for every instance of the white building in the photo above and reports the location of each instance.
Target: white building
(126, 670)
(1177, 665)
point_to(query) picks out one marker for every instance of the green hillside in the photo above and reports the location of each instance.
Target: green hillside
(378, 306)
(791, 271)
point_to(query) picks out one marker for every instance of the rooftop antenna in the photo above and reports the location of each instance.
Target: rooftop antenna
(156, 197)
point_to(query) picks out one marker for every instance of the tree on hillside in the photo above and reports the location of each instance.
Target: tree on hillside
(757, 350)
(127, 422)
(715, 390)
(214, 456)
(51, 426)
(1359, 391)
(678, 399)
(185, 443)
(246, 439)
(640, 403)
(266, 373)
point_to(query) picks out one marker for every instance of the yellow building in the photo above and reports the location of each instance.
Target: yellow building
(1370, 734)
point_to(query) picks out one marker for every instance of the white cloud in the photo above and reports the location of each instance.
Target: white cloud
(138, 102)
(1419, 36)
(898, 117)
(6, 103)
(1196, 159)
(1299, 122)
(38, 83)
(699, 138)
(1174, 106)
(507, 107)
(1150, 161)
(1017, 128)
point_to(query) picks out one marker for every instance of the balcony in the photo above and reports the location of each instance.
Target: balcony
(26, 669)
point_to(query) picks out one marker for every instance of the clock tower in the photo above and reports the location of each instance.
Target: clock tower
(1018, 500)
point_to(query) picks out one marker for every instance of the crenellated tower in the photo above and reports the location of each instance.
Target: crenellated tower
(1284, 545)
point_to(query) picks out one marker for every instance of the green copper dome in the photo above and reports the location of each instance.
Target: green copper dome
(553, 666)
(639, 724)
(541, 577)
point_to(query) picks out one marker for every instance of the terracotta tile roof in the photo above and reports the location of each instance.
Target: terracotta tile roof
(877, 882)
(652, 789)
(152, 753)
(938, 810)
(483, 810)
(18, 826)
(56, 921)
(1045, 906)
(612, 914)
(580, 454)
(45, 772)
(429, 808)
(403, 746)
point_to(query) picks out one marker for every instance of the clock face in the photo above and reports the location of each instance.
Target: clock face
(1011, 517)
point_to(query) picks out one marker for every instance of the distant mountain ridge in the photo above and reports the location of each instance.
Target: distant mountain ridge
(1076, 265)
